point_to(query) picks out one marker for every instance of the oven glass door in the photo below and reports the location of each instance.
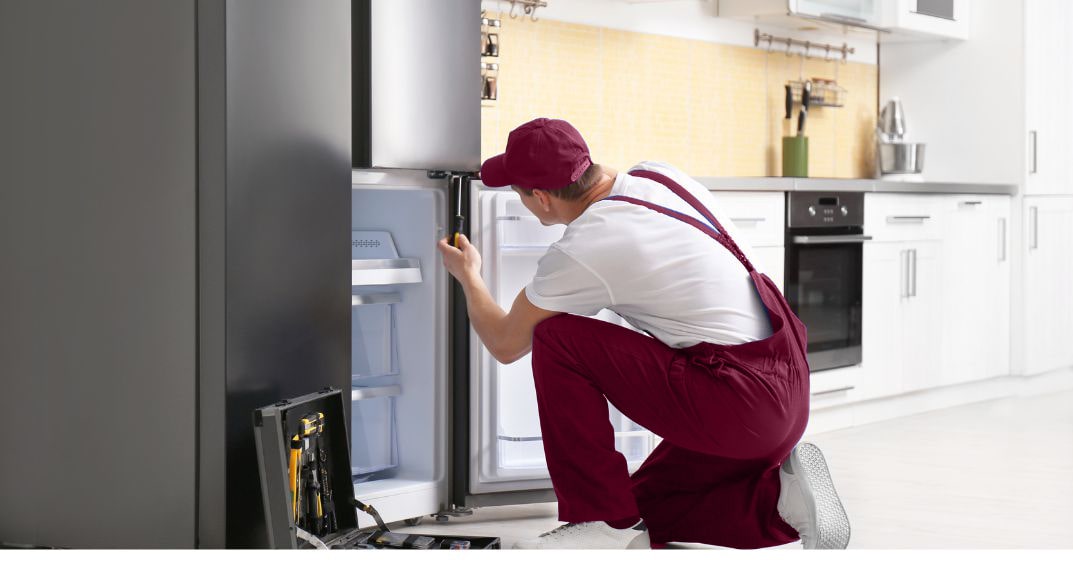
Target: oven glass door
(823, 286)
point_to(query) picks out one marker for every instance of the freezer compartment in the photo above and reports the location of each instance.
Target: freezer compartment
(374, 439)
(399, 349)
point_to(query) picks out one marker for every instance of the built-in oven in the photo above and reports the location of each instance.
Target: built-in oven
(824, 242)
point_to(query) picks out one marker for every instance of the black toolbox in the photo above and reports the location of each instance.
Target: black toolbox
(310, 434)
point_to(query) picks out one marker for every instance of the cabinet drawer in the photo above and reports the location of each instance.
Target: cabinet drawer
(899, 217)
(758, 217)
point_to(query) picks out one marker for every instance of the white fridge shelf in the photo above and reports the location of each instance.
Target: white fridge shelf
(371, 272)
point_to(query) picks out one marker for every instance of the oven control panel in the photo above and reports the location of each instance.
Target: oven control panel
(824, 209)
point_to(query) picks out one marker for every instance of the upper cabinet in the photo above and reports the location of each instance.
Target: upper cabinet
(896, 20)
(914, 20)
(788, 13)
(1048, 112)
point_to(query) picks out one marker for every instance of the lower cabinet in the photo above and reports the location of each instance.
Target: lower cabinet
(1048, 283)
(901, 323)
(976, 288)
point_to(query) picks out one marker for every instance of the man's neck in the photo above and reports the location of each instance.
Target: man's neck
(600, 191)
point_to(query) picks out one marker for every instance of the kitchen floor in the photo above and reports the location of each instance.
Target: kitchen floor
(997, 474)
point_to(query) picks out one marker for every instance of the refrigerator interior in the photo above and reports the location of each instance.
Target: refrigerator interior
(507, 453)
(399, 344)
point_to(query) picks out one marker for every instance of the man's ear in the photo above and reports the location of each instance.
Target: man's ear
(544, 198)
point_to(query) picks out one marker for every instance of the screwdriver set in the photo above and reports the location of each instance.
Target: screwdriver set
(306, 485)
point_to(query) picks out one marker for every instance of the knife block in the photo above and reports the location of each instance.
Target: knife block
(795, 156)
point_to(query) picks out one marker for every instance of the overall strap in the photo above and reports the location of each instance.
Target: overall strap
(715, 231)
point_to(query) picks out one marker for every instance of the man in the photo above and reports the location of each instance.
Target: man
(721, 375)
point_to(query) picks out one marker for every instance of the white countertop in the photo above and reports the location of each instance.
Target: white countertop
(853, 185)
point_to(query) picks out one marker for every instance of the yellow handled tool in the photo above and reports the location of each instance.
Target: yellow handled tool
(292, 473)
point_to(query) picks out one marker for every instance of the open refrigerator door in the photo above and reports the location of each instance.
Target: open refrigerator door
(506, 452)
(398, 429)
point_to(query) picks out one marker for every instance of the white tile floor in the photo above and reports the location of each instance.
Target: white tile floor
(997, 474)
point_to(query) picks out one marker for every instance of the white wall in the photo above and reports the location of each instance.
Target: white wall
(965, 99)
(690, 19)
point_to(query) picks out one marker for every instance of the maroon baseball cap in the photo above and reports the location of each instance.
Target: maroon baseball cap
(541, 154)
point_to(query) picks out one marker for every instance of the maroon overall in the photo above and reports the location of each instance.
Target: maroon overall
(728, 415)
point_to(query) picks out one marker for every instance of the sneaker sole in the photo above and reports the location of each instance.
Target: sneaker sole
(831, 524)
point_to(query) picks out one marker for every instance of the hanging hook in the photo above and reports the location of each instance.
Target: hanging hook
(513, 4)
(827, 53)
(531, 10)
(769, 43)
(788, 45)
(807, 45)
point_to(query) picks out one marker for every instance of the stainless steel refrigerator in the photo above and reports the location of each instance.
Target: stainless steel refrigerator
(174, 195)
(438, 426)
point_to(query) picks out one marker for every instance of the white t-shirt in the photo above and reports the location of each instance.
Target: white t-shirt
(660, 274)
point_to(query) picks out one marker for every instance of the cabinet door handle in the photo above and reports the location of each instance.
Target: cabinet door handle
(751, 220)
(913, 277)
(916, 219)
(835, 390)
(1001, 239)
(903, 277)
(1033, 224)
(1032, 145)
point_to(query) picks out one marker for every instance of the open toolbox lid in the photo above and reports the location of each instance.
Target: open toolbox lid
(273, 428)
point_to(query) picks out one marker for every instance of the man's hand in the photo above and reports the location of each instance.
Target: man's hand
(464, 262)
(507, 335)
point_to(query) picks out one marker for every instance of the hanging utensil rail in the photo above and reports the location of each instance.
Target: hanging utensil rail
(826, 48)
(529, 7)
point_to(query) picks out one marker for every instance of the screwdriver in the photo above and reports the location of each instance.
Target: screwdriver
(459, 220)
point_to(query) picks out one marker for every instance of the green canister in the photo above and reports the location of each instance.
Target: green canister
(795, 156)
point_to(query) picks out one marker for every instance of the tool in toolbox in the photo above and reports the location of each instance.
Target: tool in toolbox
(308, 494)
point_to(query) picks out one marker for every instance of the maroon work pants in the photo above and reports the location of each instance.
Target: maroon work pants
(728, 419)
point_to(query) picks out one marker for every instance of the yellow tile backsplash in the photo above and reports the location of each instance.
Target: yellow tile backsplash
(707, 108)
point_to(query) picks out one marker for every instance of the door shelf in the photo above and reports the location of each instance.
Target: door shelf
(373, 340)
(374, 435)
(371, 272)
(618, 434)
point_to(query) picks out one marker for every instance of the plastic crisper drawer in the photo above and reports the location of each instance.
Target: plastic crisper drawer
(374, 335)
(374, 439)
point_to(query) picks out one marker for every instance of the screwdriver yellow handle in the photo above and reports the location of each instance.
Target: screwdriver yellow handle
(292, 473)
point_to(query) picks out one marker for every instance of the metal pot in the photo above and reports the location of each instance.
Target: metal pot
(900, 157)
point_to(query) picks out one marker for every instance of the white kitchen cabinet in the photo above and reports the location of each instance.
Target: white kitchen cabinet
(894, 217)
(1048, 108)
(1048, 283)
(901, 335)
(789, 13)
(914, 20)
(759, 220)
(975, 301)
(758, 217)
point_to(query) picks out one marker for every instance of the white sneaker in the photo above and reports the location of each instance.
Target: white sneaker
(589, 535)
(808, 501)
